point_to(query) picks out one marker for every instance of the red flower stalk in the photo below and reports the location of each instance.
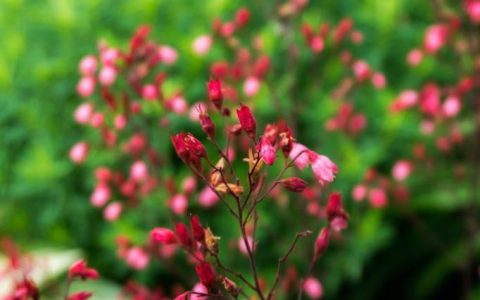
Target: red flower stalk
(80, 296)
(80, 269)
(214, 88)
(183, 235)
(162, 236)
(294, 184)
(197, 229)
(206, 274)
(321, 243)
(247, 121)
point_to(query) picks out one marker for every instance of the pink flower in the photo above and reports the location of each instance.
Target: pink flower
(201, 44)
(199, 288)
(137, 258)
(112, 211)
(139, 171)
(267, 151)
(79, 269)
(321, 243)
(189, 185)
(150, 92)
(323, 168)
(215, 94)
(195, 110)
(179, 204)
(109, 56)
(472, 7)
(377, 197)
(408, 98)
(86, 86)
(414, 57)
(206, 274)
(207, 197)
(79, 152)
(451, 107)
(178, 105)
(313, 288)
(168, 55)
(88, 65)
(251, 86)
(359, 192)
(361, 70)
(120, 122)
(83, 113)
(107, 76)
(435, 38)
(97, 119)
(378, 80)
(427, 127)
(100, 196)
(243, 247)
(247, 120)
(401, 170)
(317, 44)
(162, 236)
(299, 154)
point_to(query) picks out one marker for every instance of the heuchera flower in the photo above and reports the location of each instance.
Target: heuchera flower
(247, 121)
(197, 229)
(162, 236)
(377, 197)
(79, 269)
(299, 156)
(214, 88)
(336, 214)
(188, 148)
(294, 184)
(183, 235)
(201, 45)
(323, 168)
(472, 7)
(79, 152)
(137, 258)
(267, 151)
(401, 170)
(206, 274)
(435, 38)
(313, 288)
(80, 295)
(199, 292)
(321, 243)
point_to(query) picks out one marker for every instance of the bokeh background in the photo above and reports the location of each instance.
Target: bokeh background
(400, 252)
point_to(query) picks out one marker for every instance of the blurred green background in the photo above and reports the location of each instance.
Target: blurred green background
(44, 197)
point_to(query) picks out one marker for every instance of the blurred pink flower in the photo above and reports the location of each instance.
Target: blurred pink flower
(313, 288)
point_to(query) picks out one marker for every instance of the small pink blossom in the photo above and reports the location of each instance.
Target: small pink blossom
(401, 170)
(414, 57)
(86, 86)
(408, 98)
(109, 56)
(451, 107)
(251, 86)
(79, 152)
(427, 127)
(179, 204)
(435, 38)
(313, 288)
(88, 65)
(189, 184)
(107, 76)
(178, 105)
(472, 7)
(267, 151)
(317, 44)
(168, 55)
(207, 197)
(150, 92)
(100, 196)
(359, 192)
(195, 110)
(137, 258)
(323, 168)
(377, 197)
(138, 171)
(120, 122)
(378, 80)
(299, 154)
(243, 247)
(112, 211)
(202, 44)
(201, 289)
(361, 70)
(83, 113)
(97, 119)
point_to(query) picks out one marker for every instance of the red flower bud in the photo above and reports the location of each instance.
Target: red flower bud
(207, 125)
(242, 17)
(197, 229)
(80, 296)
(247, 121)
(80, 269)
(321, 243)
(206, 274)
(214, 88)
(162, 236)
(336, 214)
(294, 184)
(188, 148)
(183, 235)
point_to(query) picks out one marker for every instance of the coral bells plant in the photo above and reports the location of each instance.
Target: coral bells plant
(242, 194)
